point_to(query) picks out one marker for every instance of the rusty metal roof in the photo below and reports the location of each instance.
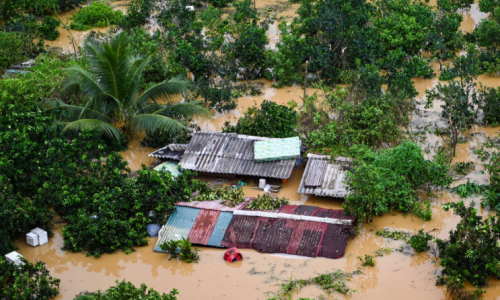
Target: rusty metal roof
(323, 177)
(209, 223)
(203, 226)
(230, 153)
(293, 237)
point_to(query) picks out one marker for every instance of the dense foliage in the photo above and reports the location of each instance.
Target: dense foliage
(267, 202)
(419, 242)
(471, 253)
(270, 120)
(27, 281)
(232, 196)
(388, 180)
(97, 14)
(48, 28)
(125, 290)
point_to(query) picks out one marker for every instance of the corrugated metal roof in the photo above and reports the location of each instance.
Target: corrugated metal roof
(203, 226)
(329, 181)
(172, 151)
(213, 205)
(293, 237)
(229, 153)
(178, 226)
(207, 224)
(220, 229)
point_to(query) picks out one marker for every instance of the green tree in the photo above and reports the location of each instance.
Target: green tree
(28, 281)
(471, 253)
(115, 105)
(459, 107)
(270, 120)
(125, 290)
(389, 180)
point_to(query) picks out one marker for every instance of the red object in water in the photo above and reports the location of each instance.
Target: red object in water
(233, 254)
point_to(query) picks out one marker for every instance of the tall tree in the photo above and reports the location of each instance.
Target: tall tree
(114, 104)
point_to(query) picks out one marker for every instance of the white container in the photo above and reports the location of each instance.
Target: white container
(32, 239)
(190, 8)
(14, 258)
(43, 238)
(262, 183)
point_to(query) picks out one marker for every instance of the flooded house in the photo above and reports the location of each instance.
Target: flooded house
(301, 230)
(231, 154)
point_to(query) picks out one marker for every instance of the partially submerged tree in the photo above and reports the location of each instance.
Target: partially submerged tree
(114, 104)
(460, 97)
(472, 252)
(390, 179)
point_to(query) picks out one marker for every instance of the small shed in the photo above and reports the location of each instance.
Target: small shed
(324, 176)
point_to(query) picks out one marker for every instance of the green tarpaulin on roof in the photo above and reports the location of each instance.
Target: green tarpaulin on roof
(277, 149)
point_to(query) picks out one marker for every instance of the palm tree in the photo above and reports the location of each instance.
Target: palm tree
(114, 104)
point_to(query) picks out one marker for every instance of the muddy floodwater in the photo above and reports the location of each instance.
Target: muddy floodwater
(396, 275)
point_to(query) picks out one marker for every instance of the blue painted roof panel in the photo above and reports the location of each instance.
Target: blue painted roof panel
(178, 226)
(220, 229)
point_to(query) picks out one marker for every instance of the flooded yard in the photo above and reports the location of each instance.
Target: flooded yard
(396, 275)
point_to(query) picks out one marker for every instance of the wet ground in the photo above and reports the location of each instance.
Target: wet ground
(395, 276)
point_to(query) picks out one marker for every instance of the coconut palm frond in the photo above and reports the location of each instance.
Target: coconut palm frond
(96, 126)
(71, 87)
(137, 64)
(77, 112)
(152, 108)
(88, 84)
(153, 122)
(165, 92)
(189, 109)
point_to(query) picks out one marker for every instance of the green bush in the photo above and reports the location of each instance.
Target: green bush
(48, 28)
(471, 253)
(187, 251)
(27, 281)
(11, 49)
(125, 290)
(388, 180)
(97, 14)
(270, 120)
(419, 241)
(367, 261)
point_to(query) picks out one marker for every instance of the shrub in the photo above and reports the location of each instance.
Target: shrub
(389, 179)
(368, 261)
(187, 251)
(26, 281)
(232, 196)
(270, 120)
(97, 14)
(11, 49)
(419, 241)
(125, 290)
(471, 253)
(267, 202)
(48, 28)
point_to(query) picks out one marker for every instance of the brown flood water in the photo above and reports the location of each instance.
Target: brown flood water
(395, 276)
